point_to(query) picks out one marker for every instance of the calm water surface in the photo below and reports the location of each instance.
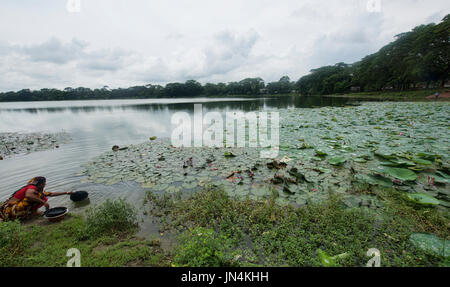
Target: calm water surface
(95, 126)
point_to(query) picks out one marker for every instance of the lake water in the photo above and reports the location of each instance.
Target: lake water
(95, 126)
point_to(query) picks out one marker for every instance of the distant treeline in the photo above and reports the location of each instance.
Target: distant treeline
(416, 59)
(191, 88)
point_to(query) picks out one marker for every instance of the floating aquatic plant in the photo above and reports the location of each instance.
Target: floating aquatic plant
(310, 145)
(422, 199)
(431, 243)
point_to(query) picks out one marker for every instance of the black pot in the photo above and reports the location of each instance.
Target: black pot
(54, 212)
(79, 196)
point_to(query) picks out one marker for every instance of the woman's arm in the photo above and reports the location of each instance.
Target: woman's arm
(31, 195)
(57, 193)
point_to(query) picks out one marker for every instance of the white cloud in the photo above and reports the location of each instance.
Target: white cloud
(54, 51)
(105, 60)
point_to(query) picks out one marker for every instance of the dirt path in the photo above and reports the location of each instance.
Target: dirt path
(445, 95)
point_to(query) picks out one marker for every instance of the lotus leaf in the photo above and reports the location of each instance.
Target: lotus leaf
(399, 173)
(431, 243)
(338, 160)
(330, 261)
(422, 161)
(422, 199)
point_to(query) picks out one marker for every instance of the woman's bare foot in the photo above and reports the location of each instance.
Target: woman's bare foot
(36, 213)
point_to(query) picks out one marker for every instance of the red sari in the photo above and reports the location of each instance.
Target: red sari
(22, 207)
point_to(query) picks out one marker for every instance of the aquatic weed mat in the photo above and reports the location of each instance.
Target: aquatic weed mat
(12, 144)
(404, 146)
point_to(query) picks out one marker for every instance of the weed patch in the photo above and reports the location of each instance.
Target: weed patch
(111, 217)
(261, 233)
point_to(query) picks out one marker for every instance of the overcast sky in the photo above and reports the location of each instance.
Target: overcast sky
(45, 44)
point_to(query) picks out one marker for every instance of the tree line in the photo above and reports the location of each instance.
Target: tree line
(416, 59)
(191, 88)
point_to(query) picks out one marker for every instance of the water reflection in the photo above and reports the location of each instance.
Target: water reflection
(245, 104)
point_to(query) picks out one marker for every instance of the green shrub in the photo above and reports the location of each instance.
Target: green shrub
(10, 233)
(203, 247)
(116, 217)
(11, 239)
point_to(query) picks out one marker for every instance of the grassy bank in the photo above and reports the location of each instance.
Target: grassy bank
(213, 229)
(220, 231)
(251, 233)
(105, 238)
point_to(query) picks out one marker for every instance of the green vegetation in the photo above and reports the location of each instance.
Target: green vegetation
(330, 261)
(283, 86)
(191, 88)
(346, 180)
(222, 231)
(23, 143)
(419, 58)
(400, 145)
(215, 230)
(422, 199)
(431, 243)
(47, 244)
(11, 238)
(203, 247)
(111, 217)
